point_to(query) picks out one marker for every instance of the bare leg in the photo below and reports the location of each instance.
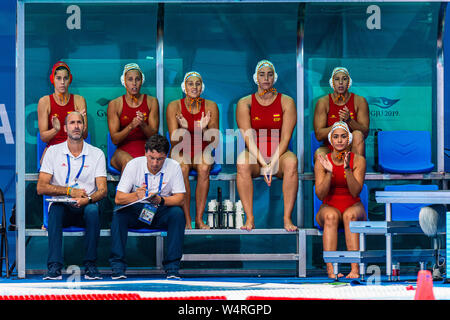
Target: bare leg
(329, 218)
(120, 159)
(244, 183)
(289, 173)
(187, 196)
(185, 164)
(201, 194)
(353, 213)
(358, 144)
(320, 150)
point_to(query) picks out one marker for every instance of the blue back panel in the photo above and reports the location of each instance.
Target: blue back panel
(404, 151)
(315, 144)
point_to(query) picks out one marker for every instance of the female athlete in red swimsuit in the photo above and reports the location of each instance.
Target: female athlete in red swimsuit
(188, 119)
(341, 105)
(53, 108)
(339, 180)
(266, 120)
(132, 118)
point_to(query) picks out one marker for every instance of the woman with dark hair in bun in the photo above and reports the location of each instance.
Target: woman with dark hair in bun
(53, 108)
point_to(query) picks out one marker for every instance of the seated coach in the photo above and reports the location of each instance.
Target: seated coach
(74, 174)
(160, 180)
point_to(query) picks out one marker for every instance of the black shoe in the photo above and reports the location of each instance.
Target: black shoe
(173, 275)
(117, 275)
(54, 273)
(91, 273)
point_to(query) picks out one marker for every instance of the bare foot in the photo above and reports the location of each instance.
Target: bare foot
(354, 272)
(249, 225)
(330, 272)
(353, 275)
(289, 226)
(333, 276)
(188, 225)
(201, 225)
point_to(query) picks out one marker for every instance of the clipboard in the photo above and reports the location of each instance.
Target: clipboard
(145, 199)
(63, 200)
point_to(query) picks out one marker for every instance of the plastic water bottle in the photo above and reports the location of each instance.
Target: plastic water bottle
(239, 215)
(212, 214)
(228, 214)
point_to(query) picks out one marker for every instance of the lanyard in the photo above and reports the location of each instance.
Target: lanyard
(160, 183)
(68, 169)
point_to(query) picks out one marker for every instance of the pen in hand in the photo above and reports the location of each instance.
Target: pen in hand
(141, 192)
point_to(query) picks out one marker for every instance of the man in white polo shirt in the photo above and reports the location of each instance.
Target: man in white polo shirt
(153, 174)
(74, 174)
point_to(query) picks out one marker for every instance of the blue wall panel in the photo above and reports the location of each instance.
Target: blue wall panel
(447, 92)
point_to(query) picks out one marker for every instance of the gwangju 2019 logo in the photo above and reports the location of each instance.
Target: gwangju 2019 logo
(383, 103)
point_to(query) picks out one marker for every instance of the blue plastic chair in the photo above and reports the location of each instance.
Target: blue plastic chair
(404, 151)
(315, 144)
(45, 223)
(111, 148)
(408, 211)
(144, 230)
(215, 169)
(364, 196)
(291, 145)
(40, 149)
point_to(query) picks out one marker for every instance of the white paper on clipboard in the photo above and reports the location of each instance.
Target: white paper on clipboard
(147, 199)
(63, 200)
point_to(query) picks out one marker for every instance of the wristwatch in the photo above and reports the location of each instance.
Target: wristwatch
(90, 199)
(161, 203)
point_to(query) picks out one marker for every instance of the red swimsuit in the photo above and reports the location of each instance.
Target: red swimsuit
(134, 143)
(61, 112)
(339, 196)
(333, 113)
(267, 122)
(196, 140)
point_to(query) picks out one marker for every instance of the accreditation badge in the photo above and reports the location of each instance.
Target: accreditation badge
(148, 213)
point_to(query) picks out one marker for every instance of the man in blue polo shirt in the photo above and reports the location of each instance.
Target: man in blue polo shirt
(160, 177)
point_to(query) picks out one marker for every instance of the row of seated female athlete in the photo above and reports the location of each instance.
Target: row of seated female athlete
(341, 122)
